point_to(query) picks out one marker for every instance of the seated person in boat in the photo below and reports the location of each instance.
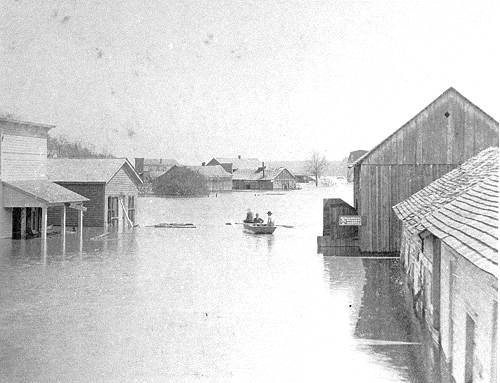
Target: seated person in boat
(257, 219)
(249, 218)
(270, 221)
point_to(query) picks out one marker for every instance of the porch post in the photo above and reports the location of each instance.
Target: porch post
(63, 221)
(63, 230)
(23, 222)
(43, 235)
(80, 228)
(44, 224)
(120, 215)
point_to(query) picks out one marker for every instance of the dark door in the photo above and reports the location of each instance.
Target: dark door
(470, 329)
(16, 222)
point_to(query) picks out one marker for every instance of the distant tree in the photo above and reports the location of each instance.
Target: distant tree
(180, 181)
(61, 147)
(317, 165)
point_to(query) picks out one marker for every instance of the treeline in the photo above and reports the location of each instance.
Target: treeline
(61, 147)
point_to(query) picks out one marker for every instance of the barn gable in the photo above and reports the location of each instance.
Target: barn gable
(451, 122)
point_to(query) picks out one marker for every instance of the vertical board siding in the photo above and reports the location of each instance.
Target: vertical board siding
(93, 217)
(423, 150)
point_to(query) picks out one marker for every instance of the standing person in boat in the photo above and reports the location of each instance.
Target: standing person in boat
(249, 218)
(257, 219)
(270, 221)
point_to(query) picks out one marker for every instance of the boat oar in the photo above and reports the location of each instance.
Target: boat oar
(241, 223)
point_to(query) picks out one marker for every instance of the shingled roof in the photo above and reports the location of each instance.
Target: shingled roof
(92, 170)
(216, 171)
(240, 163)
(256, 175)
(460, 208)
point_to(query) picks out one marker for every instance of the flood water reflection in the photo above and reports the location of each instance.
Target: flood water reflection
(207, 304)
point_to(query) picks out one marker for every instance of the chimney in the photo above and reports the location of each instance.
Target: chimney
(263, 171)
(203, 164)
(239, 156)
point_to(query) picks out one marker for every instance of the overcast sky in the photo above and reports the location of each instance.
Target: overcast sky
(268, 79)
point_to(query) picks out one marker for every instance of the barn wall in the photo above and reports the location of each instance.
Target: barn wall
(433, 138)
(440, 138)
(382, 187)
(93, 217)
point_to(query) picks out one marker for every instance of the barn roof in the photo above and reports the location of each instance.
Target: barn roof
(91, 170)
(256, 175)
(216, 171)
(447, 93)
(240, 163)
(461, 208)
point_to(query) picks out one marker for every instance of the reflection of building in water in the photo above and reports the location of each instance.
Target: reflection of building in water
(386, 319)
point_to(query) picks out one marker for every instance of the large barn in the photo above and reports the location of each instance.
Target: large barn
(442, 136)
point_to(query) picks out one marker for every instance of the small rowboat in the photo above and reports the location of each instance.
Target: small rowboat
(259, 228)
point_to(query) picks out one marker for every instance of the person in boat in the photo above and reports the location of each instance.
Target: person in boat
(249, 218)
(270, 221)
(257, 219)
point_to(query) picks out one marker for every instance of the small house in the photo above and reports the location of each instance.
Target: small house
(264, 179)
(26, 193)
(110, 184)
(450, 252)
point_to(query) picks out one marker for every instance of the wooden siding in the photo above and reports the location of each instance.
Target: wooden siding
(23, 157)
(433, 138)
(284, 181)
(424, 149)
(121, 184)
(93, 217)
(217, 184)
(382, 187)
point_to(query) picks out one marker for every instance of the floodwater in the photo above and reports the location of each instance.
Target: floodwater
(210, 304)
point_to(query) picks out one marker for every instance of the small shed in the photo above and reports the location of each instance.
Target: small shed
(110, 184)
(264, 179)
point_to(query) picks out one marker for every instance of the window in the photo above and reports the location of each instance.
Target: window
(131, 208)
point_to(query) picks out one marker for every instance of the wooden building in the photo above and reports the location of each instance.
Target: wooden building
(151, 168)
(353, 157)
(26, 194)
(231, 165)
(217, 179)
(442, 136)
(264, 179)
(450, 253)
(110, 184)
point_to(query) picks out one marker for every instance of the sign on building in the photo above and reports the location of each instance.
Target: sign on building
(350, 220)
